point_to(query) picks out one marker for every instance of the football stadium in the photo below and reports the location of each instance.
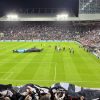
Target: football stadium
(51, 54)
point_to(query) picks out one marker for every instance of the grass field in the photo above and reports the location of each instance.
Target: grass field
(49, 66)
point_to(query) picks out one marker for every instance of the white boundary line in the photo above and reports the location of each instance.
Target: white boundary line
(50, 81)
(28, 80)
(25, 53)
(11, 74)
(26, 62)
(55, 73)
(7, 72)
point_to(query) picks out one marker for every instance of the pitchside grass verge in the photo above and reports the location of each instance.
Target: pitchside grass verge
(49, 66)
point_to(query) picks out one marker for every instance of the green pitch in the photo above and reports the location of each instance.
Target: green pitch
(49, 66)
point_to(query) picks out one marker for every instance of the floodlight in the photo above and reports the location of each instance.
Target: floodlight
(12, 16)
(91, 1)
(83, 8)
(62, 16)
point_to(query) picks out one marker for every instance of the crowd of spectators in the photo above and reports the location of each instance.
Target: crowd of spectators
(91, 38)
(87, 34)
(35, 31)
(58, 91)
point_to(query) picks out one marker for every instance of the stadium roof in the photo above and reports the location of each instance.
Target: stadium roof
(46, 17)
(31, 5)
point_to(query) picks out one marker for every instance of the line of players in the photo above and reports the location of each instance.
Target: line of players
(58, 48)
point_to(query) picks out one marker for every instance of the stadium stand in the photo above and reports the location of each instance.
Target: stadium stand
(50, 31)
(87, 33)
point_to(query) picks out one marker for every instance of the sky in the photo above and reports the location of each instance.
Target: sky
(7, 5)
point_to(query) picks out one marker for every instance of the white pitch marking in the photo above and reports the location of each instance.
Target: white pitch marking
(29, 80)
(11, 74)
(26, 62)
(50, 81)
(6, 72)
(55, 72)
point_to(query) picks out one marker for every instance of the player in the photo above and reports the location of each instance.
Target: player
(69, 50)
(63, 48)
(58, 48)
(55, 47)
(41, 45)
